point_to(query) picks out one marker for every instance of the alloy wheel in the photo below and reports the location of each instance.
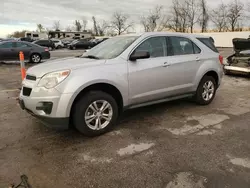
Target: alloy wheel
(36, 58)
(208, 90)
(98, 115)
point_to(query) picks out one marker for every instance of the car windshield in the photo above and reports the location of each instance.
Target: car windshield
(74, 42)
(110, 48)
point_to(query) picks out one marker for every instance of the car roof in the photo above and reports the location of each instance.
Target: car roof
(147, 34)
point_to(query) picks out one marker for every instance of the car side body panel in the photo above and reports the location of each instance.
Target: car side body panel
(81, 78)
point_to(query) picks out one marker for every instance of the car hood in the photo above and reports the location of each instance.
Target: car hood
(63, 64)
(241, 44)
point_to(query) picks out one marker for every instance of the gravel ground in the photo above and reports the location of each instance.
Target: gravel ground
(170, 145)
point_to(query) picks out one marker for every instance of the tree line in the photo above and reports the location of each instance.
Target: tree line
(182, 16)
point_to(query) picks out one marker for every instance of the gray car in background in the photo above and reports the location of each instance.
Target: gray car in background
(121, 73)
(9, 51)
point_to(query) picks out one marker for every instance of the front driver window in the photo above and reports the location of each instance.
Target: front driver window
(22, 45)
(156, 46)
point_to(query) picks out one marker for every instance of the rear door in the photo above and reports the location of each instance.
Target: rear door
(7, 51)
(184, 59)
(25, 48)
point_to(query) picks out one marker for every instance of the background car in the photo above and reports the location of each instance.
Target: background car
(46, 43)
(98, 41)
(81, 44)
(58, 43)
(239, 62)
(27, 39)
(9, 51)
(67, 41)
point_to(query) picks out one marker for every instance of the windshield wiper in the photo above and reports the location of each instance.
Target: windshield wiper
(90, 57)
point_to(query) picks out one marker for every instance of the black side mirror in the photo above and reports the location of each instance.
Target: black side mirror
(139, 55)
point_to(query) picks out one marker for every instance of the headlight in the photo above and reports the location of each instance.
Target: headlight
(52, 79)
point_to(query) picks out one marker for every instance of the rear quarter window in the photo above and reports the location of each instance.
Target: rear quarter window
(209, 42)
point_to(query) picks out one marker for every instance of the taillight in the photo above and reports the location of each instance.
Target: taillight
(46, 49)
(221, 59)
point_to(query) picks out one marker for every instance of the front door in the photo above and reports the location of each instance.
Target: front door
(148, 77)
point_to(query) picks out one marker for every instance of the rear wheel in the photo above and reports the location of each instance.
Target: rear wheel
(35, 58)
(95, 113)
(206, 90)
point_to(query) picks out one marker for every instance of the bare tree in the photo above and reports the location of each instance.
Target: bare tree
(235, 12)
(192, 11)
(68, 28)
(84, 23)
(95, 26)
(102, 27)
(78, 25)
(40, 28)
(219, 17)
(154, 21)
(120, 23)
(56, 25)
(178, 17)
(204, 18)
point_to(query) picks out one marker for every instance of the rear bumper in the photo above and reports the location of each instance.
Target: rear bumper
(45, 55)
(237, 69)
(55, 123)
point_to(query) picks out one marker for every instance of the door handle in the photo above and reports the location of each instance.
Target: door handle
(166, 64)
(198, 59)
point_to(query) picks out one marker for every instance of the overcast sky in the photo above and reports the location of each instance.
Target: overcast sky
(25, 14)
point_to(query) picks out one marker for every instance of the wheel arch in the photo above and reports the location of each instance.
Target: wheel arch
(105, 87)
(213, 74)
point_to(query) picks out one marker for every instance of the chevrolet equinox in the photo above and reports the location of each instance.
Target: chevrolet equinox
(124, 72)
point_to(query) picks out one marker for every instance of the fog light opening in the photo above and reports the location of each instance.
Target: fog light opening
(46, 107)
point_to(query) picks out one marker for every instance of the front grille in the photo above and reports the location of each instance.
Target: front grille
(26, 91)
(29, 77)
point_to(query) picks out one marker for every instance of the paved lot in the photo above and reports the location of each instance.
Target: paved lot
(171, 145)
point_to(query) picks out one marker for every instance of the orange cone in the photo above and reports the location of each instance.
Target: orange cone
(23, 71)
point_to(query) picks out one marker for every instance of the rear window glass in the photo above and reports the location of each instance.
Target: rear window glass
(209, 43)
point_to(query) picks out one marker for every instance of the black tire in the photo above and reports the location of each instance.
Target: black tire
(82, 105)
(32, 59)
(198, 96)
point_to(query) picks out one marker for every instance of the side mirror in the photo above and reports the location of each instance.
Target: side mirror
(139, 55)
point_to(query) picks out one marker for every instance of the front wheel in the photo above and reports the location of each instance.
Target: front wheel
(95, 113)
(206, 90)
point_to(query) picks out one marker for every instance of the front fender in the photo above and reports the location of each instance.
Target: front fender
(81, 79)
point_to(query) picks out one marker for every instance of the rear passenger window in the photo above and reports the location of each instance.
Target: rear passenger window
(7, 45)
(209, 43)
(156, 46)
(197, 50)
(183, 46)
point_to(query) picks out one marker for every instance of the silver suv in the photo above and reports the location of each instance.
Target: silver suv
(124, 72)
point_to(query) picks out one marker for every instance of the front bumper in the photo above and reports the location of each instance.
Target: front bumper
(55, 123)
(48, 105)
(234, 69)
(45, 55)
